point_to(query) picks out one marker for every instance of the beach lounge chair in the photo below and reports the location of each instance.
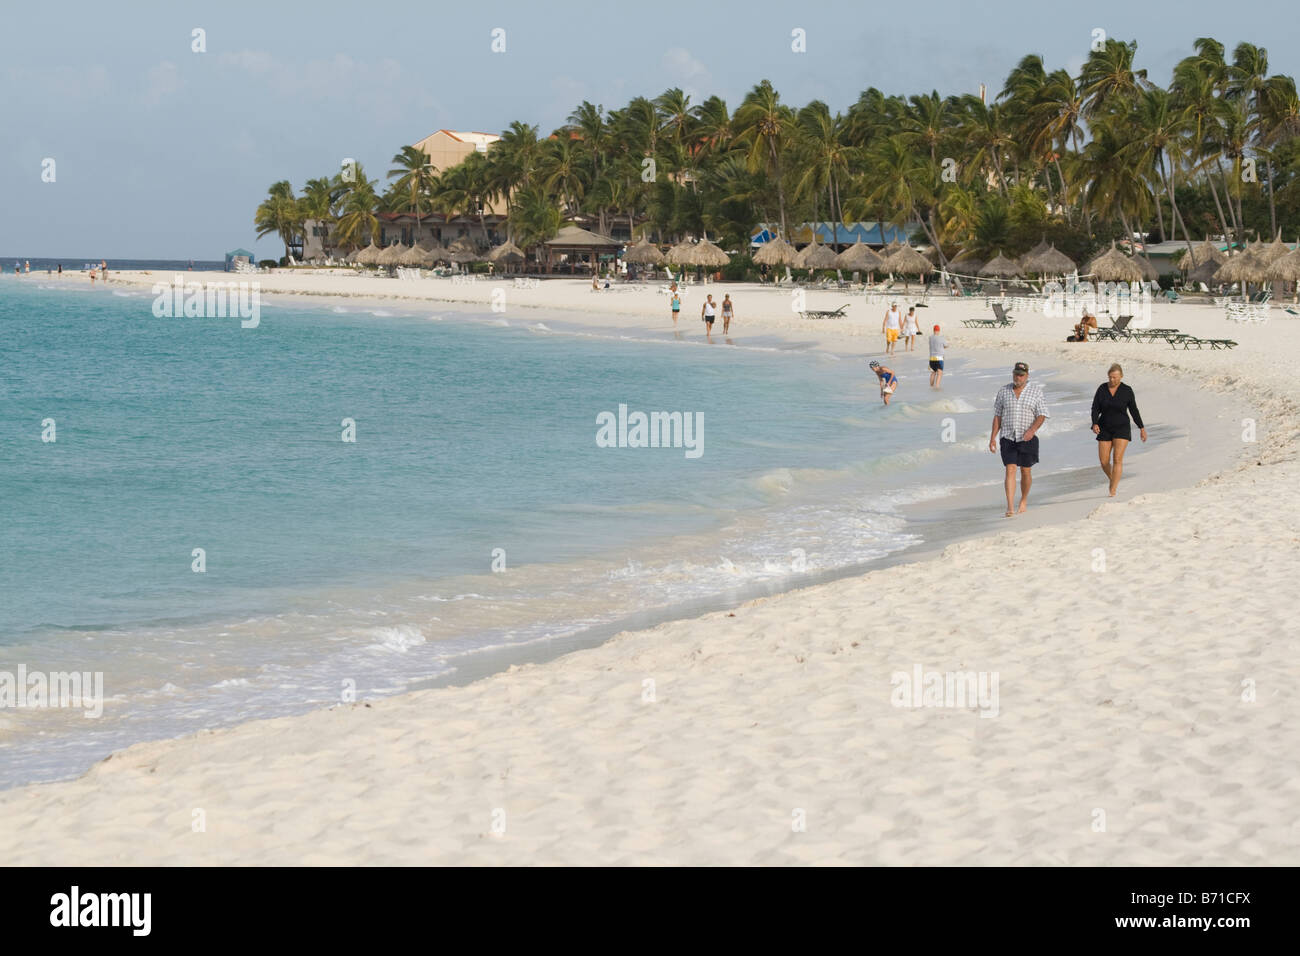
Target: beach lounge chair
(1192, 342)
(824, 313)
(1291, 311)
(1118, 330)
(1004, 319)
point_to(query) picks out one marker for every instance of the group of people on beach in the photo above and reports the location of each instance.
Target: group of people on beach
(1020, 409)
(708, 311)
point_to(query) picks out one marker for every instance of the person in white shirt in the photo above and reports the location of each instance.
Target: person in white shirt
(892, 327)
(910, 329)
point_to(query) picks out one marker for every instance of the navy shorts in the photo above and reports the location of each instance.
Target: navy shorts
(1022, 454)
(936, 365)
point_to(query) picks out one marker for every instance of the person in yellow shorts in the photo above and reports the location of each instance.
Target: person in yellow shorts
(892, 326)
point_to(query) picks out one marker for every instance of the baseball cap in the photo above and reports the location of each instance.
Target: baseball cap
(1021, 367)
(936, 328)
(875, 364)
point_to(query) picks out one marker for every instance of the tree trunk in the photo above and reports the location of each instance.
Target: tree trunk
(1272, 208)
(1227, 233)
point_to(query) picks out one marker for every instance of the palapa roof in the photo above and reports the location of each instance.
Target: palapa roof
(815, 256)
(416, 256)
(1038, 250)
(1000, 267)
(574, 237)
(436, 250)
(776, 252)
(1114, 266)
(507, 251)
(859, 256)
(368, 256)
(392, 256)
(1201, 253)
(909, 262)
(1205, 272)
(644, 252)
(707, 254)
(1246, 266)
(1286, 268)
(1051, 262)
(463, 250)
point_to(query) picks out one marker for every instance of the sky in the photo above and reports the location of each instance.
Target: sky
(160, 150)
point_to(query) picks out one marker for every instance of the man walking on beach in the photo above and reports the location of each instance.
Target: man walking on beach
(937, 344)
(892, 326)
(1019, 410)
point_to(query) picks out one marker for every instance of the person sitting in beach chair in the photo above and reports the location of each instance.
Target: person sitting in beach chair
(1081, 329)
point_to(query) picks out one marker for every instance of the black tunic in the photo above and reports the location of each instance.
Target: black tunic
(1111, 412)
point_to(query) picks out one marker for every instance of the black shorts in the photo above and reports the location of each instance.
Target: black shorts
(1023, 454)
(708, 320)
(1110, 434)
(936, 365)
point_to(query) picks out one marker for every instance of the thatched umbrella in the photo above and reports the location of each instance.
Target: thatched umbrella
(1205, 272)
(966, 263)
(908, 262)
(776, 252)
(391, 256)
(1038, 250)
(815, 256)
(1149, 271)
(1052, 262)
(436, 250)
(1114, 266)
(644, 253)
(417, 257)
(708, 255)
(1274, 251)
(1244, 268)
(890, 249)
(506, 252)
(463, 250)
(1200, 254)
(680, 254)
(1287, 269)
(369, 256)
(859, 257)
(1000, 267)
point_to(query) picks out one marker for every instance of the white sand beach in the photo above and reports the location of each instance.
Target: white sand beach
(1147, 713)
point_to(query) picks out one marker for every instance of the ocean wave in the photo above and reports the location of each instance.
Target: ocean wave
(400, 638)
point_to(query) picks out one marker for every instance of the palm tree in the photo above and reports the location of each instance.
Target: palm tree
(1108, 81)
(764, 125)
(279, 213)
(825, 157)
(358, 224)
(415, 178)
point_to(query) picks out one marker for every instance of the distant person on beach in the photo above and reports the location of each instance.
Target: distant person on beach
(910, 329)
(27, 266)
(708, 312)
(937, 344)
(677, 306)
(1019, 410)
(1085, 325)
(892, 326)
(1111, 408)
(727, 310)
(887, 379)
(60, 268)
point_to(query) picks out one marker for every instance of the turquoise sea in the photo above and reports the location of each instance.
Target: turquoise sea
(474, 513)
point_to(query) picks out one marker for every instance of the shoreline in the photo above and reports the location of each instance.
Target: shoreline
(185, 758)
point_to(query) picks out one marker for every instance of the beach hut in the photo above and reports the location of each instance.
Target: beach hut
(1287, 269)
(238, 257)
(1201, 253)
(1245, 268)
(1114, 266)
(575, 243)
(1025, 260)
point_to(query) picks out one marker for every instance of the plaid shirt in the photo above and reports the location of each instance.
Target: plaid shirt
(1017, 414)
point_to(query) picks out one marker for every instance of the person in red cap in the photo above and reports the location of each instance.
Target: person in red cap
(937, 344)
